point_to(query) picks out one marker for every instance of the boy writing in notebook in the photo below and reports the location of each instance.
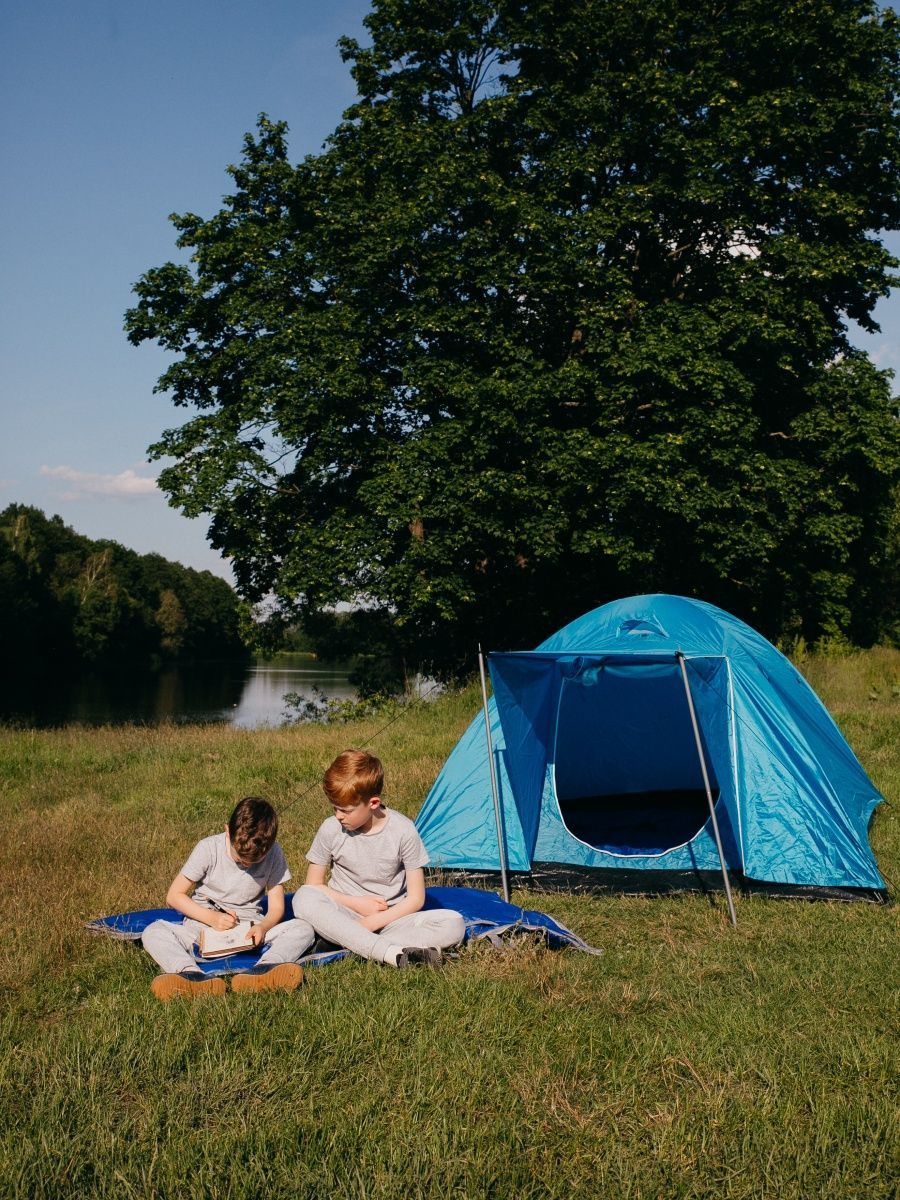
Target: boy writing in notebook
(222, 882)
(372, 903)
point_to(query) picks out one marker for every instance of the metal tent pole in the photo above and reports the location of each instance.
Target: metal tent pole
(712, 811)
(498, 816)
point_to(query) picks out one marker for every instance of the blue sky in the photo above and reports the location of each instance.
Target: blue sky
(113, 114)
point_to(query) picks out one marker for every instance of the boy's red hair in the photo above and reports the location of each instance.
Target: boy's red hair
(354, 777)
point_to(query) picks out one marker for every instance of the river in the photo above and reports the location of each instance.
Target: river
(247, 694)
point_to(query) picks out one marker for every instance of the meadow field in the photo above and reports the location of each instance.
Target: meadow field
(690, 1060)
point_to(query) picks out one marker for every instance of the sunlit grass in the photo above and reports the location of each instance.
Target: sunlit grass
(691, 1060)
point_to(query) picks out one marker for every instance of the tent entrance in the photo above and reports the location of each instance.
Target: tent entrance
(637, 822)
(626, 772)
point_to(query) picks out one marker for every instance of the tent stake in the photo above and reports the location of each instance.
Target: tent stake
(709, 797)
(498, 816)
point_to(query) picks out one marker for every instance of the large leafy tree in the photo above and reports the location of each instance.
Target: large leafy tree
(560, 312)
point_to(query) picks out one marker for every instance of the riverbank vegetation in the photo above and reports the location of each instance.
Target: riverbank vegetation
(66, 599)
(690, 1060)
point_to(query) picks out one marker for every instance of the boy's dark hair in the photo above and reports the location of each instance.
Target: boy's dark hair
(354, 777)
(252, 828)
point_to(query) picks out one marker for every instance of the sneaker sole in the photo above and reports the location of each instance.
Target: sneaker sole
(176, 987)
(286, 977)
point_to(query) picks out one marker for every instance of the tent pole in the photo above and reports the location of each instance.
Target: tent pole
(709, 797)
(498, 817)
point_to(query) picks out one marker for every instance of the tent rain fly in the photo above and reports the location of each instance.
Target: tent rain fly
(599, 765)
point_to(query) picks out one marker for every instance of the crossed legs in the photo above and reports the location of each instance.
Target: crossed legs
(439, 928)
(169, 944)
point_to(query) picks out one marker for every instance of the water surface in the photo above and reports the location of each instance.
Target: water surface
(248, 694)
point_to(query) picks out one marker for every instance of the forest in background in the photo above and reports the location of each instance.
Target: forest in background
(71, 600)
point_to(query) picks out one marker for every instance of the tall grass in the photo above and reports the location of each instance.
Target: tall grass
(691, 1060)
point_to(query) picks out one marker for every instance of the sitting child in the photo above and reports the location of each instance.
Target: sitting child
(377, 888)
(228, 874)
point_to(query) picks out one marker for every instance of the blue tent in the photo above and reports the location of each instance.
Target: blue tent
(598, 766)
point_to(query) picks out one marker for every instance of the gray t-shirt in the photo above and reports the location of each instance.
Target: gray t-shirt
(369, 864)
(221, 881)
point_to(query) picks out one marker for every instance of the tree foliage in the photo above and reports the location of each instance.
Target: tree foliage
(66, 599)
(559, 313)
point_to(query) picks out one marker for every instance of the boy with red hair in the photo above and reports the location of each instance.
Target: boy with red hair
(372, 904)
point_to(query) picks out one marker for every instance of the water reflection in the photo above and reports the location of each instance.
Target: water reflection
(245, 694)
(266, 683)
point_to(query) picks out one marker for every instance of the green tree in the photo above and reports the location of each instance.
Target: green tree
(64, 597)
(20, 607)
(34, 621)
(559, 313)
(101, 607)
(171, 621)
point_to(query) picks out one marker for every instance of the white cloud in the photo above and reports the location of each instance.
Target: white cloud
(885, 355)
(127, 485)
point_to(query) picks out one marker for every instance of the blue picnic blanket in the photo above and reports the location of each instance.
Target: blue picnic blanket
(486, 915)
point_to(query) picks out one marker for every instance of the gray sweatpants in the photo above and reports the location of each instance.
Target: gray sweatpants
(169, 943)
(435, 927)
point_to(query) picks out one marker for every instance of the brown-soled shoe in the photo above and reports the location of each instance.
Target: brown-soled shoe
(283, 978)
(183, 987)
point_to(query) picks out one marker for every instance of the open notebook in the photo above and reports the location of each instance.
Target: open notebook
(215, 943)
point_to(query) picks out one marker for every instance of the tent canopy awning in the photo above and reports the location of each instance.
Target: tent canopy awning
(594, 658)
(530, 690)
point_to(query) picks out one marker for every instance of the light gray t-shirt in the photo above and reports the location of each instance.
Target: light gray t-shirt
(221, 881)
(369, 864)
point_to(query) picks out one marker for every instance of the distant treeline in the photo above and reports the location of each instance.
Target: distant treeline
(66, 598)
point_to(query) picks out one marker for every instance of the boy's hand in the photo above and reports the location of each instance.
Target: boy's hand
(375, 921)
(257, 935)
(367, 906)
(222, 921)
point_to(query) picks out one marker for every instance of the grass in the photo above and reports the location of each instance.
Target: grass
(691, 1060)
